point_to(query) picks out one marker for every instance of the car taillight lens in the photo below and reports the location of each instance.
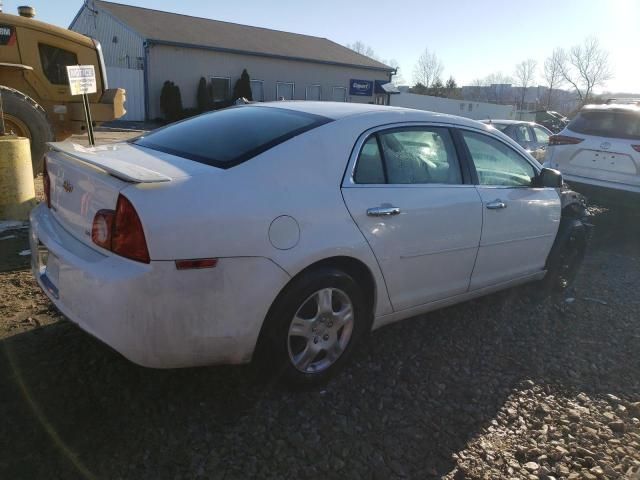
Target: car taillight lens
(102, 228)
(564, 140)
(121, 231)
(46, 183)
(636, 147)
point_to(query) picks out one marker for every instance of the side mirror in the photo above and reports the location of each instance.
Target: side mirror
(550, 178)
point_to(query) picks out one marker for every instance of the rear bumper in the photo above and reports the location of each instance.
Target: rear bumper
(155, 315)
(607, 192)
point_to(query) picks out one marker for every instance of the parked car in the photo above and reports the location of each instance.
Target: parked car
(285, 232)
(532, 137)
(551, 120)
(599, 153)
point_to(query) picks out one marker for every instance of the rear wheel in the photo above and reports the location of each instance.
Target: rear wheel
(313, 327)
(25, 118)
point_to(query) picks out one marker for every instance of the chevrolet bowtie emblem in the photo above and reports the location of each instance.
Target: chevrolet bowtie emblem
(68, 187)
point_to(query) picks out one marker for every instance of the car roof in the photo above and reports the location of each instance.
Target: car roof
(343, 110)
(509, 122)
(612, 107)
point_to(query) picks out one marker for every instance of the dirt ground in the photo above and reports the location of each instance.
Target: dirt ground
(507, 386)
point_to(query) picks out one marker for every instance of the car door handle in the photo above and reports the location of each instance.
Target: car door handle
(496, 205)
(383, 211)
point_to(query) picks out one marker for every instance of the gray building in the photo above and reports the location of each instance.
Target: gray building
(143, 48)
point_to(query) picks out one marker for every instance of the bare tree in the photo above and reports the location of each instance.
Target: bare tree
(396, 78)
(553, 73)
(499, 87)
(362, 48)
(427, 69)
(477, 90)
(524, 75)
(586, 66)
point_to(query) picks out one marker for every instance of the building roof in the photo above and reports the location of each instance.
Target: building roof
(157, 26)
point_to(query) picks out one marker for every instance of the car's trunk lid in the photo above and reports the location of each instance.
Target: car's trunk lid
(86, 180)
(608, 159)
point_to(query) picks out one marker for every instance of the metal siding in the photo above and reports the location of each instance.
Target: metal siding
(103, 27)
(133, 82)
(185, 66)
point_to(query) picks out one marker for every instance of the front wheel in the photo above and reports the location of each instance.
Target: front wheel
(566, 256)
(313, 327)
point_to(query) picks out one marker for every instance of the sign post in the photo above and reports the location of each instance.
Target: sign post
(82, 81)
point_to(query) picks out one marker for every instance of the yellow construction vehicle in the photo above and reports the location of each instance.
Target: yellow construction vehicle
(34, 89)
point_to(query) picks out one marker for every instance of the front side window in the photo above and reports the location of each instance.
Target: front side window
(541, 135)
(416, 155)
(225, 138)
(496, 163)
(54, 62)
(220, 89)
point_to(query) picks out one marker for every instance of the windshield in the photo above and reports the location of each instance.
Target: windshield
(231, 136)
(607, 124)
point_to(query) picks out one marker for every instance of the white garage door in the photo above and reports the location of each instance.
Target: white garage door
(133, 82)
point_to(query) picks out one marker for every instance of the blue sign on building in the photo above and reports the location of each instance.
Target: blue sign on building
(363, 88)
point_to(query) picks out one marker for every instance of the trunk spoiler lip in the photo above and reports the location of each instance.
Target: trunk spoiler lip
(126, 171)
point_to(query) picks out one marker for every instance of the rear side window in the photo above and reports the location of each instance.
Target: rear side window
(54, 62)
(231, 136)
(611, 123)
(415, 155)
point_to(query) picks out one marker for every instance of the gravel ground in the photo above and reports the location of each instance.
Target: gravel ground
(507, 386)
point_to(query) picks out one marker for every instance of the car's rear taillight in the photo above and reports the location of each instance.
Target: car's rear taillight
(636, 147)
(46, 183)
(564, 140)
(121, 231)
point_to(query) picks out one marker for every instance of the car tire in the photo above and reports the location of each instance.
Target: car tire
(305, 340)
(566, 256)
(26, 118)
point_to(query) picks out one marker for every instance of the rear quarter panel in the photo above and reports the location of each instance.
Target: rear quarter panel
(227, 213)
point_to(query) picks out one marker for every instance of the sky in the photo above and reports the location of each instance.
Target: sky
(472, 38)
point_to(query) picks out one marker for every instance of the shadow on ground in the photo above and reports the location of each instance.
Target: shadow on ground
(415, 395)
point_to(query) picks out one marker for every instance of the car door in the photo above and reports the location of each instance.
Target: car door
(520, 221)
(407, 194)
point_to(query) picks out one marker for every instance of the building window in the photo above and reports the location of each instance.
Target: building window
(257, 90)
(140, 63)
(54, 62)
(470, 106)
(220, 88)
(285, 90)
(339, 94)
(462, 107)
(313, 92)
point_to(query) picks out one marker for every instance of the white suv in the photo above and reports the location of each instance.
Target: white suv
(598, 153)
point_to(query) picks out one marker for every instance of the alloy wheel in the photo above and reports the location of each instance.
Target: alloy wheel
(320, 331)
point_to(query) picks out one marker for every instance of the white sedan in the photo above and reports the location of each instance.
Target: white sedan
(285, 232)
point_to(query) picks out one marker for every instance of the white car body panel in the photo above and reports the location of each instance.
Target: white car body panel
(427, 252)
(159, 316)
(517, 239)
(599, 161)
(153, 314)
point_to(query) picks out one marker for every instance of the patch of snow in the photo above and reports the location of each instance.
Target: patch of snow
(8, 237)
(12, 225)
(24, 253)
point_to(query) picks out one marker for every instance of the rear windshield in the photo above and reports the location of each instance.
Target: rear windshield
(500, 126)
(607, 124)
(231, 136)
